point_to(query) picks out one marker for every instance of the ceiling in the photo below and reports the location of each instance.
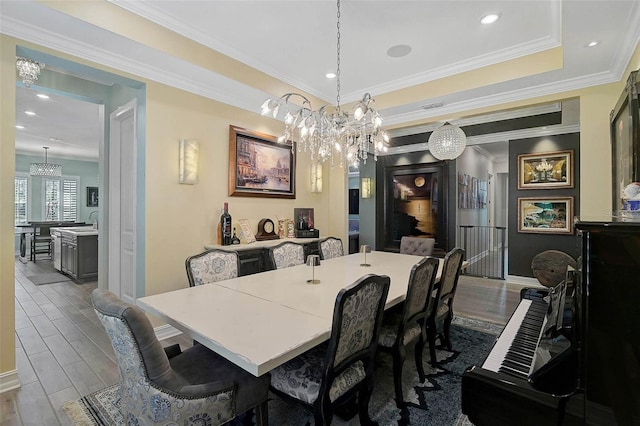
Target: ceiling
(295, 42)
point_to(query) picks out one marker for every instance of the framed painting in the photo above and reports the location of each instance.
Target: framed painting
(259, 166)
(550, 215)
(545, 170)
(92, 196)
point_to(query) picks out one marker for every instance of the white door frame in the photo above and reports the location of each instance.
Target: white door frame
(118, 177)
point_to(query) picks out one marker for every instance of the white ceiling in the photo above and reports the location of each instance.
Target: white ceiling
(295, 41)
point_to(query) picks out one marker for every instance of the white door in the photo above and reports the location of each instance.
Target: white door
(122, 197)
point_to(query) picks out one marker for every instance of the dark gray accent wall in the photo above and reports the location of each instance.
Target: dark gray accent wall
(524, 246)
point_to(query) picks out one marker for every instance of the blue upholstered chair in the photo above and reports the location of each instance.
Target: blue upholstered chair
(441, 314)
(332, 373)
(286, 254)
(417, 245)
(330, 247)
(211, 266)
(169, 386)
(398, 331)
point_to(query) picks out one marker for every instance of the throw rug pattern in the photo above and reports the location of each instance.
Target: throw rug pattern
(436, 401)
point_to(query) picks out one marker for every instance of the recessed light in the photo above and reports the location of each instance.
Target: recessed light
(593, 43)
(42, 96)
(30, 113)
(399, 50)
(330, 75)
(490, 18)
(20, 126)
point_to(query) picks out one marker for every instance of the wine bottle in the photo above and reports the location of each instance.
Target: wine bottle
(225, 221)
(235, 239)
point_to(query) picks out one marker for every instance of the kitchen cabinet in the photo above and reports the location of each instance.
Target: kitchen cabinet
(79, 255)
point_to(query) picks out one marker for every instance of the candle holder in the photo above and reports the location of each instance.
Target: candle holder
(365, 249)
(313, 260)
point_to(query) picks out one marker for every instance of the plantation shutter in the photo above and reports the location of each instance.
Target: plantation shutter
(20, 197)
(69, 200)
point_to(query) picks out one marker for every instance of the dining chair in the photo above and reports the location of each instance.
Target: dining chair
(417, 245)
(330, 247)
(286, 254)
(332, 373)
(399, 331)
(41, 241)
(211, 266)
(440, 313)
(160, 385)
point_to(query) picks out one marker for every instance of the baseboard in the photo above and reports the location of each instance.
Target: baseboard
(9, 381)
(166, 331)
(524, 281)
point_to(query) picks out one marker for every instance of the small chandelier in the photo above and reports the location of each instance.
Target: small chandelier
(330, 132)
(45, 169)
(447, 142)
(29, 70)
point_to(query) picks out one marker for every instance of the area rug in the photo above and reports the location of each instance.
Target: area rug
(436, 401)
(52, 277)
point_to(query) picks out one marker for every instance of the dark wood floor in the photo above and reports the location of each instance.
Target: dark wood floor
(62, 351)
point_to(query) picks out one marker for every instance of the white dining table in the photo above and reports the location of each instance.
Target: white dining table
(263, 320)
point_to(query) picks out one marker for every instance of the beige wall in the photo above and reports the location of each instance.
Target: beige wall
(181, 219)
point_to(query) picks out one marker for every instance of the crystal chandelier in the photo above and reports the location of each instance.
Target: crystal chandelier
(45, 169)
(447, 142)
(329, 132)
(29, 70)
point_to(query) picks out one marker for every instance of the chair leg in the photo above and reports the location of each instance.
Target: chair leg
(262, 413)
(446, 328)
(398, 361)
(363, 404)
(431, 337)
(419, 349)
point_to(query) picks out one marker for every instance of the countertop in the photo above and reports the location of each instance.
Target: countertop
(260, 244)
(77, 231)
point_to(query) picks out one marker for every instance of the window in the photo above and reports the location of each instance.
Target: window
(20, 212)
(61, 199)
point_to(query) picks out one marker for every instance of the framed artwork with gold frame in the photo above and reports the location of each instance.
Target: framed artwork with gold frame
(545, 170)
(259, 166)
(545, 215)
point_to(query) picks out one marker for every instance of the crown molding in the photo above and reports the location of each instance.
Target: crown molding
(560, 129)
(486, 118)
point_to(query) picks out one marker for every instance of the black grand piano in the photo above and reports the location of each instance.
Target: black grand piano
(569, 355)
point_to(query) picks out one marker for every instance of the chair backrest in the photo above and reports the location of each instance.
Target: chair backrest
(357, 316)
(550, 267)
(286, 254)
(145, 372)
(211, 266)
(419, 292)
(43, 230)
(417, 245)
(449, 279)
(330, 247)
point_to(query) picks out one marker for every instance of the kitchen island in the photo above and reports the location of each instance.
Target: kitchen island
(75, 251)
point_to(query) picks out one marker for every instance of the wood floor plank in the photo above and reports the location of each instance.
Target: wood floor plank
(9, 409)
(40, 298)
(31, 340)
(51, 311)
(31, 308)
(83, 377)
(34, 406)
(25, 370)
(100, 363)
(59, 398)
(51, 376)
(22, 319)
(68, 329)
(44, 326)
(61, 349)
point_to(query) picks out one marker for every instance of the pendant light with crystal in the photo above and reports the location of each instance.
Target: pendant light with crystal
(45, 169)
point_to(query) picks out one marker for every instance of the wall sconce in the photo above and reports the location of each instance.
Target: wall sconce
(316, 177)
(189, 150)
(365, 187)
